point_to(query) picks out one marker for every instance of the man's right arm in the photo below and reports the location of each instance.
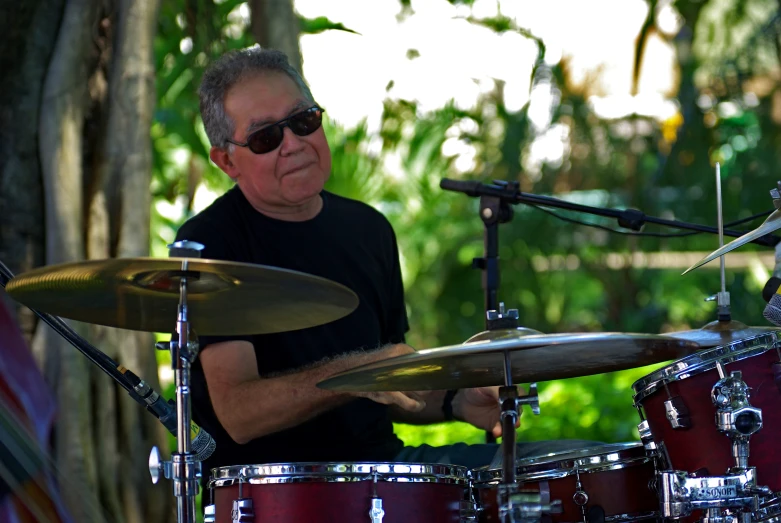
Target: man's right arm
(249, 407)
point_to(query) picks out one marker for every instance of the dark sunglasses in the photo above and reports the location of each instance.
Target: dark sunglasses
(268, 138)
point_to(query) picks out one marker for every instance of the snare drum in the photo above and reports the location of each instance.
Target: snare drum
(699, 447)
(614, 483)
(342, 492)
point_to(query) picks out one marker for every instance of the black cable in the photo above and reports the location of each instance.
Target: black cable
(652, 234)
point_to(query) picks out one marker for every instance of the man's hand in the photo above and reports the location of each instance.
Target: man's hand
(481, 408)
(409, 401)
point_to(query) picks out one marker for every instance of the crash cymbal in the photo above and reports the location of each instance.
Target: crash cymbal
(222, 297)
(772, 223)
(718, 333)
(536, 357)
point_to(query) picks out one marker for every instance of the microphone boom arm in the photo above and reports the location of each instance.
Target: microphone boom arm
(629, 218)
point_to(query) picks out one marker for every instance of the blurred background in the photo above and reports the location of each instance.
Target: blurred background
(608, 103)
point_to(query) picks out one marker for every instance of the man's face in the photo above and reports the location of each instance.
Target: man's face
(291, 176)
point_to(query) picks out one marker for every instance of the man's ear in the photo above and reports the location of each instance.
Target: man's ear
(222, 158)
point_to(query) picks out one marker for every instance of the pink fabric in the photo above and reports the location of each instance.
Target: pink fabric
(30, 403)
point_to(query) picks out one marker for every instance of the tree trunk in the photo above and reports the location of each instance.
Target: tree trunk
(76, 176)
(275, 26)
(29, 30)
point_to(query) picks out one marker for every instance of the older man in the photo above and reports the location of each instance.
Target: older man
(257, 395)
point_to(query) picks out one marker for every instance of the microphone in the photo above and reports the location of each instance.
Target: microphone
(467, 187)
(770, 293)
(203, 444)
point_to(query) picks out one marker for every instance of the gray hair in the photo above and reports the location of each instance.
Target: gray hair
(230, 69)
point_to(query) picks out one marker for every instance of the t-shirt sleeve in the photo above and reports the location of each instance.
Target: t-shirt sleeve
(217, 246)
(397, 321)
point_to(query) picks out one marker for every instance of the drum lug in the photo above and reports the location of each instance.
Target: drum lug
(243, 510)
(645, 436)
(209, 514)
(376, 513)
(677, 413)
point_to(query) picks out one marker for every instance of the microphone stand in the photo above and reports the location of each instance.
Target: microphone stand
(629, 218)
(493, 211)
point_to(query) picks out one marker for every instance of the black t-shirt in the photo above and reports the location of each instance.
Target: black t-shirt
(347, 242)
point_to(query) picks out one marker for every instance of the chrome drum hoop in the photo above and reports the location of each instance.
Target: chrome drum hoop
(556, 465)
(703, 361)
(332, 472)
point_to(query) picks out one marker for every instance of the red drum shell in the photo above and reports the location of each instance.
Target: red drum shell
(702, 446)
(331, 493)
(615, 477)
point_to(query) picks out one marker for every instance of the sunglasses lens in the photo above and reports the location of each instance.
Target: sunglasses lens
(265, 140)
(306, 122)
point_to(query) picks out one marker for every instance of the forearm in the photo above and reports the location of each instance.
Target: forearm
(266, 405)
(260, 406)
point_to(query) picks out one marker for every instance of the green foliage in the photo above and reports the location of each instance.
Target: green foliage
(320, 24)
(190, 35)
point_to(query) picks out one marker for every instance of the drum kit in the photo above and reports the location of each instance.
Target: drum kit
(724, 380)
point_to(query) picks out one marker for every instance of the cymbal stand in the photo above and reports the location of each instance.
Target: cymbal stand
(515, 507)
(721, 298)
(184, 468)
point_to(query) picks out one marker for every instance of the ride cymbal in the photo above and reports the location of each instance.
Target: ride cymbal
(772, 223)
(539, 357)
(222, 297)
(718, 333)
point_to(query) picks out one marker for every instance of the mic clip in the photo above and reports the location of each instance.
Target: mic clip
(776, 195)
(723, 305)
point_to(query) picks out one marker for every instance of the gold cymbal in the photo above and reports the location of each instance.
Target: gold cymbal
(535, 357)
(718, 333)
(772, 223)
(222, 297)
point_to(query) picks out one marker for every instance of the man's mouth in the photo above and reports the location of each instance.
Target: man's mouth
(297, 169)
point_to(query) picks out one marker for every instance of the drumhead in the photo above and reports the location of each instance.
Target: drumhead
(561, 464)
(339, 472)
(703, 361)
